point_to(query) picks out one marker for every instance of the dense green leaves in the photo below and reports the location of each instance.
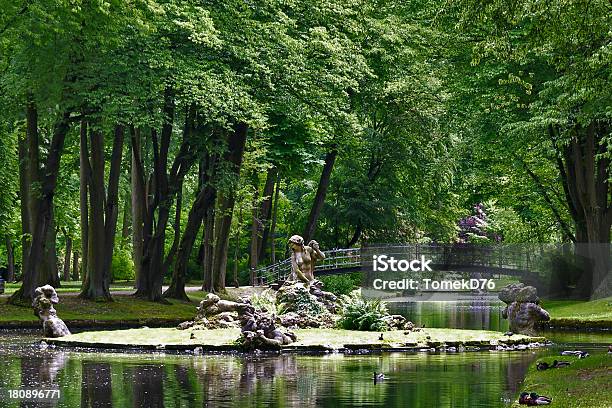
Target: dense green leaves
(432, 108)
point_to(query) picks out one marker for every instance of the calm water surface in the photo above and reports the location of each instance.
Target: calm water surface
(480, 379)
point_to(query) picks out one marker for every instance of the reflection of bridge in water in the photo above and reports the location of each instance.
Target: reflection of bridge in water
(486, 260)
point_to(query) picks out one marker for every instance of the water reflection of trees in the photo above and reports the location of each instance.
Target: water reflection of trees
(96, 385)
(416, 380)
(148, 385)
(39, 370)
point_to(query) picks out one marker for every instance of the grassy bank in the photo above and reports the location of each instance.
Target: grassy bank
(580, 314)
(72, 287)
(123, 309)
(585, 383)
(308, 339)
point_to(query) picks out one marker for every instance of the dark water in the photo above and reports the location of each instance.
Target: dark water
(481, 379)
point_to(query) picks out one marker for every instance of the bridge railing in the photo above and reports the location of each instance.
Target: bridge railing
(334, 259)
(510, 257)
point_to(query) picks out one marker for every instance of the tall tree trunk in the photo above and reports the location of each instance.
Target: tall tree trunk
(10, 260)
(126, 221)
(75, 266)
(235, 153)
(83, 201)
(33, 161)
(222, 233)
(584, 169)
(317, 205)
(24, 205)
(139, 198)
(166, 188)
(44, 212)
(274, 217)
(103, 215)
(254, 247)
(237, 249)
(49, 272)
(111, 211)
(94, 285)
(208, 243)
(266, 211)
(67, 256)
(202, 204)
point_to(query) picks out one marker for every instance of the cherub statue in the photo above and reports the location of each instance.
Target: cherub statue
(303, 258)
(44, 299)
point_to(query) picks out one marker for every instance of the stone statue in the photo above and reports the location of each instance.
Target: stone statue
(522, 308)
(216, 313)
(44, 299)
(259, 331)
(303, 258)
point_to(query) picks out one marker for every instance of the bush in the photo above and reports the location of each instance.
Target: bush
(297, 298)
(362, 314)
(341, 284)
(122, 267)
(266, 300)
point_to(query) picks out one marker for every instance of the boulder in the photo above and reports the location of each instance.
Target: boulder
(522, 309)
(398, 322)
(216, 313)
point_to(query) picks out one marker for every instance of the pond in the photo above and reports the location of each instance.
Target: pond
(479, 314)
(477, 379)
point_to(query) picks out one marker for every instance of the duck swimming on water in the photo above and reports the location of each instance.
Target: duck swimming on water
(378, 376)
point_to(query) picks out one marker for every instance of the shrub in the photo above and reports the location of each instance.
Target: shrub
(296, 298)
(122, 267)
(358, 313)
(265, 300)
(341, 284)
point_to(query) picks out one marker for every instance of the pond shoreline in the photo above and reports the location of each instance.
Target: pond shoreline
(602, 326)
(309, 340)
(310, 349)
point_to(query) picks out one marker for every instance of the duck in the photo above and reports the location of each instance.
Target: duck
(378, 376)
(541, 366)
(558, 364)
(380, 337)
(533, 399)
(577, 353)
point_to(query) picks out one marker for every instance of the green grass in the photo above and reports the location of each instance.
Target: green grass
(576, 312)
(72, 287)
(576, 309)
(306, 337)
(123, 308)
(157, 336)
(585, 383)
